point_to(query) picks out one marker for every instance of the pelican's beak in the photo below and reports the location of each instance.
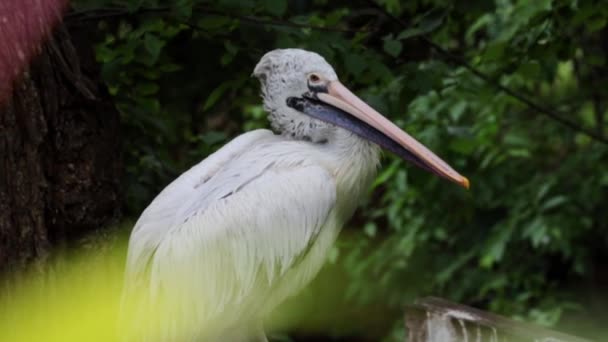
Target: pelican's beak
(340, 97)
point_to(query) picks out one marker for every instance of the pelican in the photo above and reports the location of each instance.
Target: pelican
(234, 236)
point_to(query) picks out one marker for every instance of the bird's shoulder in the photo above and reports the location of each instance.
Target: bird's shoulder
(199, 173)
(271, 168)
(253, 167)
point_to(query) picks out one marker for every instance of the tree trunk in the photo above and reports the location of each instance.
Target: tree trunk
(59, 159)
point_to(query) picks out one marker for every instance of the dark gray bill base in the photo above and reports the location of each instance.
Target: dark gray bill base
(338, 117)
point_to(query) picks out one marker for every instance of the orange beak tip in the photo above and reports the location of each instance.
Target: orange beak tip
(465, 183)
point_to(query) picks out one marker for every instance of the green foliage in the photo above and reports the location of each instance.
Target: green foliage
(527, 240)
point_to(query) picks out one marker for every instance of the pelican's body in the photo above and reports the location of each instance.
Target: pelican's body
(251, 225)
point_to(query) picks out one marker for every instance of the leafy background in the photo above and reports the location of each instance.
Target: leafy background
(513, 93)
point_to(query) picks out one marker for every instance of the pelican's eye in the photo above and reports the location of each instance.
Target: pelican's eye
(316, 83)
(314, 78)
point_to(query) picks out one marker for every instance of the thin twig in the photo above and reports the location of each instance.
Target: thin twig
(551, 113)
(103, 13)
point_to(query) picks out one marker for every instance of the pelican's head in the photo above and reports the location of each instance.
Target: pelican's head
(305, 99)
(286, 73)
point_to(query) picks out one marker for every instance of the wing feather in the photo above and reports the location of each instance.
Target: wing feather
(163, 212)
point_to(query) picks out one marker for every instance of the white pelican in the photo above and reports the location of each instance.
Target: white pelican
(221, 246)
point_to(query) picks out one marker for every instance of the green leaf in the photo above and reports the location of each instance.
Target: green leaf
(370, 229)
(429, 24)
(596, 24)
(391, 46)
(409, 33)
(169, 67)
(231, 51)
(530, 69)
(482, 22)
(124, 28)
(213, 137)
(463, 146)
(154, 46)
(457, 110)
(355, 64)
(150, 74)
(275, 7)
(244, 5)
(386, 173)
(426, 26)
(216, 95)
(536, 231)
(152, 24)
(133, 5)
(146, 88)
(494, 52)
(333, 255)
(183, 9)
(495, 247)
(149, 105)
(213, 22)
(105, 54)
(554, 202)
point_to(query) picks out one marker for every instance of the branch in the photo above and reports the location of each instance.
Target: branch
(495, 82)
(102, 13)
(287, 23)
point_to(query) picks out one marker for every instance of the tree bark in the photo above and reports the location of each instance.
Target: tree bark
(59, 153)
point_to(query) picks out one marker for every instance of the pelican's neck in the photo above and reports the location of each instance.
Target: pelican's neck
(355, 164)
(353, 159)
